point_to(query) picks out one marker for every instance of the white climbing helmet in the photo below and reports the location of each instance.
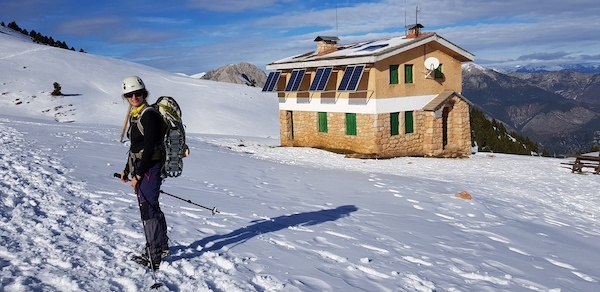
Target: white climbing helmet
(132, 83)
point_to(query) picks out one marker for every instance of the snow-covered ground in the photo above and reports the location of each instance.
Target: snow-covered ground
(290, 219)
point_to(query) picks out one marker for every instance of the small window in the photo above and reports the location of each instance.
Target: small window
(408, 73)
(351, 124)
(394, 74)
(395, 124)
(408, 122)
(438, 72)
(322, 122)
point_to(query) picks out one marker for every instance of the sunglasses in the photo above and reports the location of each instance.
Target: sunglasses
(138, 93)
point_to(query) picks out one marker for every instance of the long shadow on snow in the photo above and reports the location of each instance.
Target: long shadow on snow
(259, 227)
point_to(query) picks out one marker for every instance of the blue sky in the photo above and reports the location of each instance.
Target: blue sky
(192, 36)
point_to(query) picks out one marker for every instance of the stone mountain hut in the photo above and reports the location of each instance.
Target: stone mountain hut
(399, 96)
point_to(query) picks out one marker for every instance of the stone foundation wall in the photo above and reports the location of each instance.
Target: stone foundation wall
(374, 132)
(306, 131)
(411, 144)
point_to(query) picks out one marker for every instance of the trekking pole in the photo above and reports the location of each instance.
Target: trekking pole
(213, 209)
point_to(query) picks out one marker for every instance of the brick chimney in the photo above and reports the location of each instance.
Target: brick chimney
(326, 44)
(414, 30)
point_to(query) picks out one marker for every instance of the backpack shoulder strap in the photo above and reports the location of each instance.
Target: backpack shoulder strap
(139, 119)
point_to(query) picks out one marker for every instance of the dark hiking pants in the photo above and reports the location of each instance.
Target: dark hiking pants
(155, 225)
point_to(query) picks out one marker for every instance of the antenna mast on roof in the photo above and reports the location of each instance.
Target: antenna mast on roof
(337, 34)
(417, 10)
(405, 29)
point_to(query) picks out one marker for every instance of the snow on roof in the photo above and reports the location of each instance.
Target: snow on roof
(365, 52)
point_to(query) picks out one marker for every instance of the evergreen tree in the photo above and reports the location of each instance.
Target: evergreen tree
(39, 38)
(13, 25)
(491, 135)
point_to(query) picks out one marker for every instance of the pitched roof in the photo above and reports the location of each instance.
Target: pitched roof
(434, 104)
(370, 52)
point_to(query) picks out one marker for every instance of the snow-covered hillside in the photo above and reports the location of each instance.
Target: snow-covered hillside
(91, 85)
(291, 219)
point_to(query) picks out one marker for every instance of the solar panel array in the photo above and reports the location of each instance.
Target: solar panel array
(271, 83)
(295, 80)
(351, 78)
(321, 79)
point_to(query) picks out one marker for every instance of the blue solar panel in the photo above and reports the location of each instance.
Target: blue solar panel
(351, 78)
(271, 83)
(321, 78)
(295, 80)
(356, 74)
(291, 82)
(324, 79)
(374, 47)
(313, 85)
(346, 78)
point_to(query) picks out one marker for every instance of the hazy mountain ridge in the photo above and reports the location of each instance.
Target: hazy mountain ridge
(580, 68)
(559, 109)
(569, 84)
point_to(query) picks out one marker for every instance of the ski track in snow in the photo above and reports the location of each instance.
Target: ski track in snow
(69, 225)
(77, 233)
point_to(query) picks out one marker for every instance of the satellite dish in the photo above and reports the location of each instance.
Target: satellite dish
(432, 63)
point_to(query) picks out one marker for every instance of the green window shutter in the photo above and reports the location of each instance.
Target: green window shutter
(393, 74)
(408, 122)
(438, 72)
(394, 124)
(322, 122)
(351, 124)
(408, 73)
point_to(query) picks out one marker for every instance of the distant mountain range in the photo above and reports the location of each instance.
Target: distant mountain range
(581, 68)
(558, 109)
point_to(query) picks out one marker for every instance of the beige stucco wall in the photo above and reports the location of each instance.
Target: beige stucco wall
(380, 74)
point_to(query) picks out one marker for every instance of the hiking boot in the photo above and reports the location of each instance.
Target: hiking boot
(143, 260)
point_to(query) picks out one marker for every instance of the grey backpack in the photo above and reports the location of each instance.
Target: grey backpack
(174, 145)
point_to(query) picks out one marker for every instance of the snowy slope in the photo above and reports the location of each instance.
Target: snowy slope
(291, 219)
(92, 88)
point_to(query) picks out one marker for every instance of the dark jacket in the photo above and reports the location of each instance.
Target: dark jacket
(148, 143)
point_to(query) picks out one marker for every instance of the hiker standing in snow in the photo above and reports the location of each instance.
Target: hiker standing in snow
(146, 131)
